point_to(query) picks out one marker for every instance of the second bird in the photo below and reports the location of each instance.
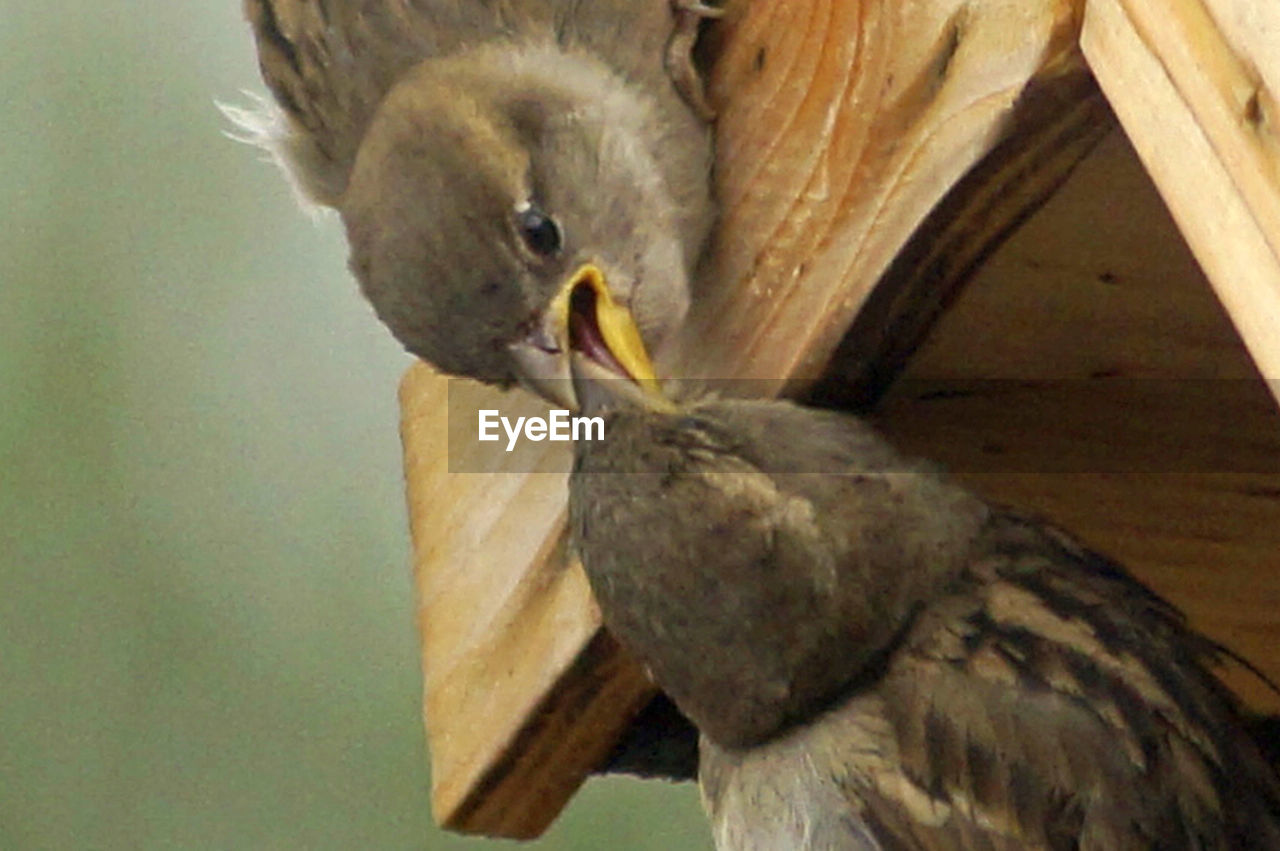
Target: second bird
(878, 659)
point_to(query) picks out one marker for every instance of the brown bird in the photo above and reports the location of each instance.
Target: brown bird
(499, 164)
(878, 659)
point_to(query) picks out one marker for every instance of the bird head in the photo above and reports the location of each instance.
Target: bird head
(758, 556)
(501, 199)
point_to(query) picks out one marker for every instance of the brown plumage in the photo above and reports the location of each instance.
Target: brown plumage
(877, 658)
(485, 155)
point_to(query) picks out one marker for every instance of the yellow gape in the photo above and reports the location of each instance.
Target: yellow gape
(617, 328)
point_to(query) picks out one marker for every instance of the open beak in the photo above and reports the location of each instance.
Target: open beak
(586, 326)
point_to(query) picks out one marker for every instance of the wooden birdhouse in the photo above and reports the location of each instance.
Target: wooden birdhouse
(1036, 241)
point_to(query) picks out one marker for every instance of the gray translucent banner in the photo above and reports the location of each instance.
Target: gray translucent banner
(1096, 426)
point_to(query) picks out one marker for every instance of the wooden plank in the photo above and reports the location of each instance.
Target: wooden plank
(1201, 115)
(515, 651)
(1228, 81)
(841, 126)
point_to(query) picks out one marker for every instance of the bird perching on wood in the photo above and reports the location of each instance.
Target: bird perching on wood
(490, 158)
(878, 659)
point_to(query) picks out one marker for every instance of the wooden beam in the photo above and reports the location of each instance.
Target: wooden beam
(841, 127)
(1197, 98)
(516, 672)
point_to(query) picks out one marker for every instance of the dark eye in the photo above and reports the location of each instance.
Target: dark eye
(539, 231)
(691, 423)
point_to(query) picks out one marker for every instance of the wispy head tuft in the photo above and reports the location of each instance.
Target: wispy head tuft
(264, 125)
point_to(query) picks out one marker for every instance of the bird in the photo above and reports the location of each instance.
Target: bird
(498, 165)
(877, 658)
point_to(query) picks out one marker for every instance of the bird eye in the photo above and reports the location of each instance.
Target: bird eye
(539, 231)
(691, 423)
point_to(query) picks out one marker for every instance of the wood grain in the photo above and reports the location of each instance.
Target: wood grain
(842, 125)
(512, 652)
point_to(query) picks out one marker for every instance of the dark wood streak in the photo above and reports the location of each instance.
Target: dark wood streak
(1057, 123)
(597, 685)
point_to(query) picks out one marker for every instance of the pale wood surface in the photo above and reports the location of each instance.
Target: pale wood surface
(841, 126)
(504, 618)
(1198, 103)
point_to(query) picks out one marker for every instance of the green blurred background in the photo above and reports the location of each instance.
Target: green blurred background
(205, 603)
